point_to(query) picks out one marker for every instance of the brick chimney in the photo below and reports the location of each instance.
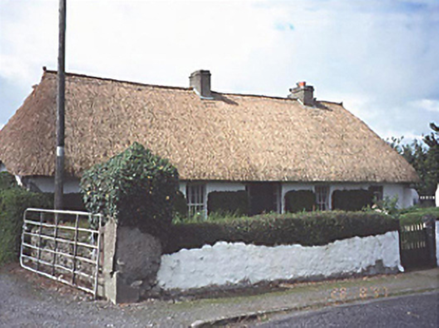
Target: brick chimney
(304, 93)
(200, 81)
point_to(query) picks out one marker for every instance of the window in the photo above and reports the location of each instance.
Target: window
(322, 197)
(377, 192)
(195, 199)
(264, 197)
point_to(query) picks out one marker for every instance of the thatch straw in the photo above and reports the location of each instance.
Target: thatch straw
(233, 137)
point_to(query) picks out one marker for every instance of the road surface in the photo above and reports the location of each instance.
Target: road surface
(404, 311)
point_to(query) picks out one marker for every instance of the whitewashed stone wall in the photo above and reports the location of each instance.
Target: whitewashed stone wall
(437, 242)
(437, 196)
(237, 263)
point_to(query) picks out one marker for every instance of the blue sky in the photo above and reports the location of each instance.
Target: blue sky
(379, 57)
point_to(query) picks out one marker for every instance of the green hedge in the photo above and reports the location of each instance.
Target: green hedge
(300, 200)
(13, 202)
(351, 200)
(307, 229)
(228, 202)
(135, 187)
(7, 181)
(415, 214)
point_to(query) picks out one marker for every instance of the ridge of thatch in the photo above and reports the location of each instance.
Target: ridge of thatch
(107, 79)
(233, 137)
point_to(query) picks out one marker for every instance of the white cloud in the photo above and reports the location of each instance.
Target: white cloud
(427, 104)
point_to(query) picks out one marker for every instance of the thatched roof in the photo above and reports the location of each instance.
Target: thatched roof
(232, 137)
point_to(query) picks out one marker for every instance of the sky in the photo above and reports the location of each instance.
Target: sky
(379, 57)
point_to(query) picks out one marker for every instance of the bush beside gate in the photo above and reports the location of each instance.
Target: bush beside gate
(13, 202)
(136, 188)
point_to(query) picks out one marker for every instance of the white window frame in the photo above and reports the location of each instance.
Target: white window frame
(322, 197)
(196, 199)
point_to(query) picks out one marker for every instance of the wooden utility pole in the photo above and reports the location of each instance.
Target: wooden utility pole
(60, 102)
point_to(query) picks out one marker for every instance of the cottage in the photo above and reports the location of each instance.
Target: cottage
(266, 146)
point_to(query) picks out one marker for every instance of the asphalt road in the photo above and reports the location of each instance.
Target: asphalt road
(405, 311)
(30, 300)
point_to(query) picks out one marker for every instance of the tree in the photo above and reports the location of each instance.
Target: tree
(432, 140)
(432, 160)
(424, 157)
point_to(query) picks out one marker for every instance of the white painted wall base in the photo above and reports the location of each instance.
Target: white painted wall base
(436, 197)
(437, 243)
(234, 263)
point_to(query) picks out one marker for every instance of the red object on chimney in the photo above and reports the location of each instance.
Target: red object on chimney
(302, 84)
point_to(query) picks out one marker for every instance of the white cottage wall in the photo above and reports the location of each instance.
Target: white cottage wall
(47, 184)
(224, 186)
(404, 193)
(411, 197)
(390, 190)
(182, 187)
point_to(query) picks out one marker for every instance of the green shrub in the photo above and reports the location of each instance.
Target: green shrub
(13, 203)
(307, 229)
(300, 200)
(223, 203)
(351, 200)
(388, 205)
(136, 188)
(415, 214)
(7, 181)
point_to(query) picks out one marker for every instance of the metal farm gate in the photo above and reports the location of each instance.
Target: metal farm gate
(418, 245)
(62, 246)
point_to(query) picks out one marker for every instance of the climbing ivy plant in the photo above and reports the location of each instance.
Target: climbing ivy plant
(136, 188)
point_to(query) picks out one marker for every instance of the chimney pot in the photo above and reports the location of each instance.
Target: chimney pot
(304, 93)
(200, 81)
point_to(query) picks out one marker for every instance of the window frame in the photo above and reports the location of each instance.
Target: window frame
(196, 199)
(322, 197)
